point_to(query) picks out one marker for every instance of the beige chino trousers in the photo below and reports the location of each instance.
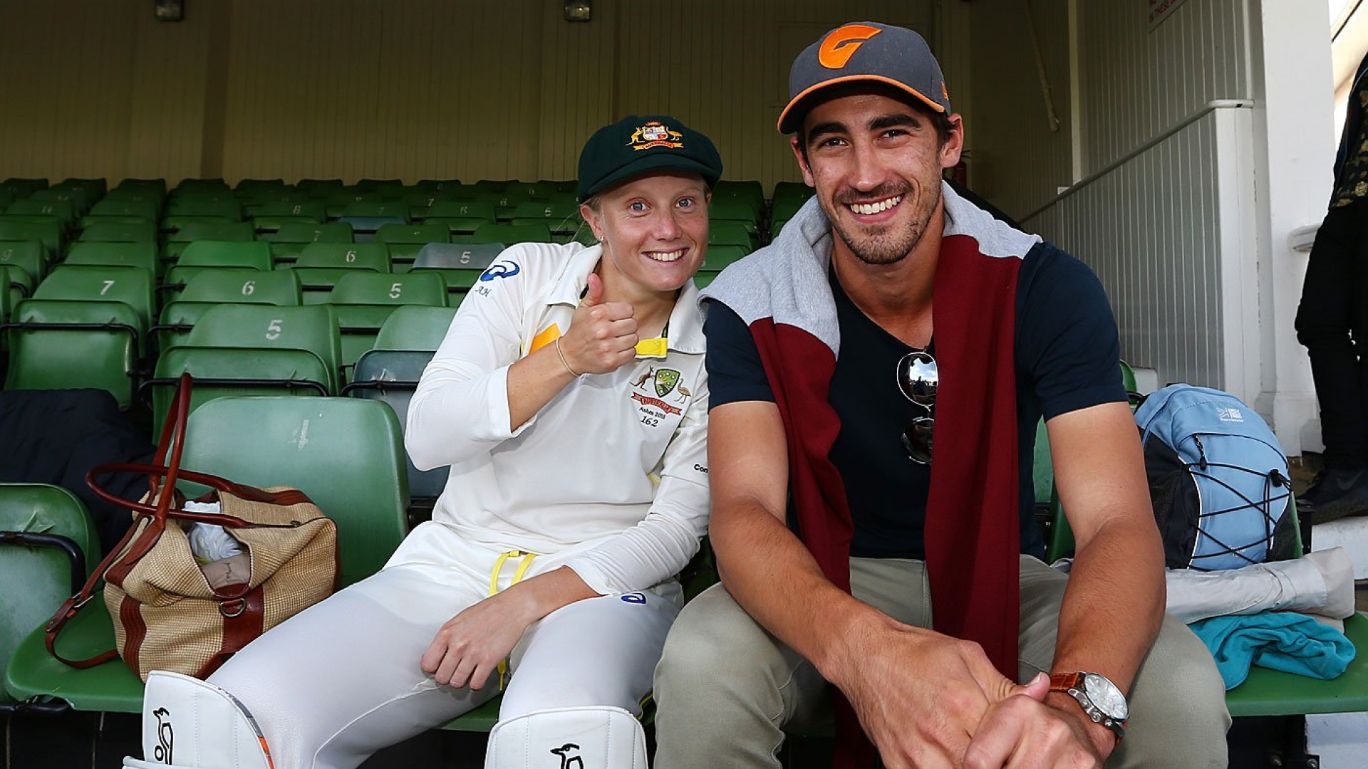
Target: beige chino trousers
(726, 689)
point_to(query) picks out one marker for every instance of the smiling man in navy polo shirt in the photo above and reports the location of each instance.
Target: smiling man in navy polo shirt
(891, 311)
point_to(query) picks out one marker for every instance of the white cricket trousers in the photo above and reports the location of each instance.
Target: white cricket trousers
(341, 679)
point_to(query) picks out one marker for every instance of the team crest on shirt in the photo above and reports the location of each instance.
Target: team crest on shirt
(655, 134)
(657, 391)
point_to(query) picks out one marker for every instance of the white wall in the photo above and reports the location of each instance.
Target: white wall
(1196, 147)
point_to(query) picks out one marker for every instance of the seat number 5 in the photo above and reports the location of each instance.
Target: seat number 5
(273, 329)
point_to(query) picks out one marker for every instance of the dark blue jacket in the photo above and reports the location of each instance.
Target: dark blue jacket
(1353, 118)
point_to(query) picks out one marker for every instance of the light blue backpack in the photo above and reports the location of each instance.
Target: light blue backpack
(1218, 479)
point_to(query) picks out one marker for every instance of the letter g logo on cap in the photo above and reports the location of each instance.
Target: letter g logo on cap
(842, 43)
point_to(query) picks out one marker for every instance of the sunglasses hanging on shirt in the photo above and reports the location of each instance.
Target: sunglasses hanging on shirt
(918, 378)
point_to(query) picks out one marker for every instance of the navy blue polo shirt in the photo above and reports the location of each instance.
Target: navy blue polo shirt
(1067, 358)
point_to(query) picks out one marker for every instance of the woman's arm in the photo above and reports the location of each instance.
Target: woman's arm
(661, 545)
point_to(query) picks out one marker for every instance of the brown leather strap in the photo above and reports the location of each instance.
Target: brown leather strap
(1062, 682)
(243, 620)
(72, 605)
(135, 631)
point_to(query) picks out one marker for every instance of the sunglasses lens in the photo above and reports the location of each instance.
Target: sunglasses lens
(917, 440)
(918, 377)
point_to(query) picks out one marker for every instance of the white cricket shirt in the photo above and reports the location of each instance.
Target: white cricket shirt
(615, 465)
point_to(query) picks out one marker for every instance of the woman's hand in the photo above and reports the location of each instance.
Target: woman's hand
(469, 647)
(602, 335)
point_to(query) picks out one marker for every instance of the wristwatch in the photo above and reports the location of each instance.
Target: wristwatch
(1100, 699)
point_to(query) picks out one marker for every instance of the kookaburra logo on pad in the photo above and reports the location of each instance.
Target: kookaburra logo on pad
(569, 756)
(165, 737)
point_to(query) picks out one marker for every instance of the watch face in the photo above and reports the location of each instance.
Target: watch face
(1105, 696)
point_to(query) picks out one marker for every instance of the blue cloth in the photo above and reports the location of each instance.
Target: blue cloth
(1286, 641)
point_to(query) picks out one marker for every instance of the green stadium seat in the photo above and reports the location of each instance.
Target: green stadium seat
(459, 264)
(414, 327)
(351, 466)
(47, 230)
(730, 234)
(130, 285)
(447, 186)
(718, 257)
(404, 241)
(251, 349)
(27, 255)
(248, 254)
(221, 254)
(94, 187)
(732, 210)
(22, 188)
(702, 279)
(258, 326)
(359, 483)
(291, 237)
(362, 301)
(153, 186)
(213, 287)
(368, 216)
(63, 210)
(177, 239)
(202, 186)
(48, 546)
(77, 197)
(507, 234)
(783, 210)
(98, 254)
(321, 264)
(173, 223)
(391, 376)
(299, 210)
(255, 187)
(120, 207)
(225, 371)
(748, 192)
(130, 230)
(57, 345)
(463, 208)
(10, 295)
(561, 217)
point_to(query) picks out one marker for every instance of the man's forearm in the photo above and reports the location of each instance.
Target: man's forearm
(1112, 610)
(1114, 603)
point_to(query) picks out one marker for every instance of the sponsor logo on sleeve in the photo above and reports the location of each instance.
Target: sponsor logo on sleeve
(504, 268)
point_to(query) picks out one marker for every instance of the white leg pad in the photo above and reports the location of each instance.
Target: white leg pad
(190, 724)
(579, 738)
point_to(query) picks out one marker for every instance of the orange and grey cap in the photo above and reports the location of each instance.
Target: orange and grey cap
(864, 51)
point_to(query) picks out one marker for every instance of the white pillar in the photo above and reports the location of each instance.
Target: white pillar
(1293, 152)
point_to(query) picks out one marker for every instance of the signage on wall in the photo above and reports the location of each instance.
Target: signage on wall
(1160, 10)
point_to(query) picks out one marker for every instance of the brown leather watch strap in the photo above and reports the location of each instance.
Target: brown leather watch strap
(1062, 682)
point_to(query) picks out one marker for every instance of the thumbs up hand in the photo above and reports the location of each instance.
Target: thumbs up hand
(602, 335)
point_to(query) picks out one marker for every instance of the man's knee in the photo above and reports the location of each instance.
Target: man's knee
(1178, 710)
(709, 642)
